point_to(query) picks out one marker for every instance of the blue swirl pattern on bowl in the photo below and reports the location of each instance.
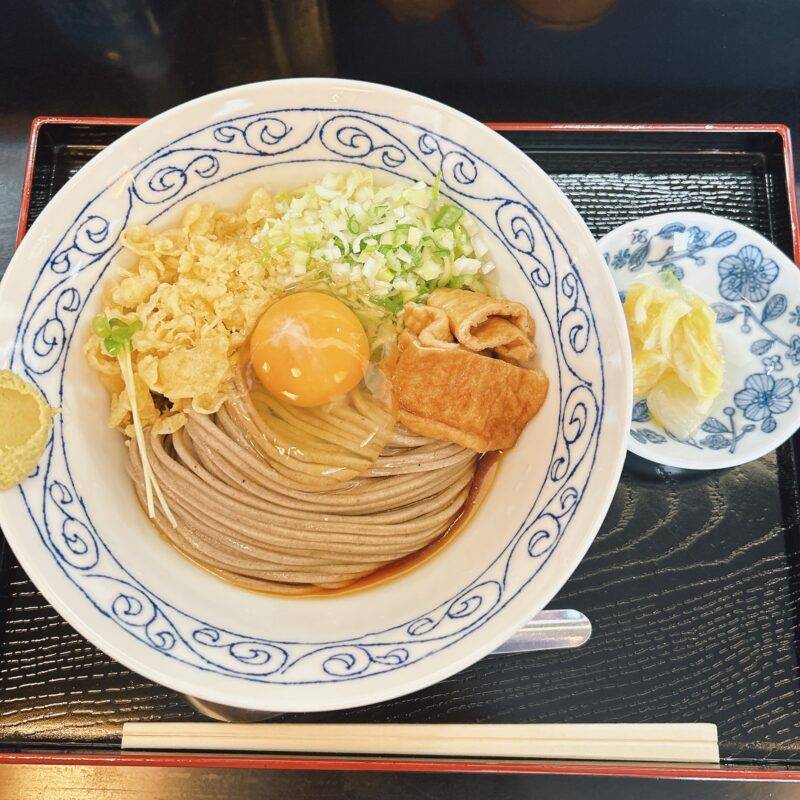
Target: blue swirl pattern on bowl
(219, 152)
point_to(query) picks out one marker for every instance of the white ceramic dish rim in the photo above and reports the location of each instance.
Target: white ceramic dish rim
(130, 655)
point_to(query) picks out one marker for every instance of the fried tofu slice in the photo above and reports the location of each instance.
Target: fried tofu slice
(481, 323)
(430, 325)
(459, 396)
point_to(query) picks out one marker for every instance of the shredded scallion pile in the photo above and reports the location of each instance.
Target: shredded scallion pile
(378, 247)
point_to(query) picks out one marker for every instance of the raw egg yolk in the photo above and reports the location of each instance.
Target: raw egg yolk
(308, 349)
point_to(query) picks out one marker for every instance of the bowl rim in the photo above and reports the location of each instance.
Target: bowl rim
(72, 611)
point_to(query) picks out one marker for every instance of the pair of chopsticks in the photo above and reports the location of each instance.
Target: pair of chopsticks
(684, 742)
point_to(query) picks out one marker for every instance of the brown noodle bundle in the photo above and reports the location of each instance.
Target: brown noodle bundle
(283, 499)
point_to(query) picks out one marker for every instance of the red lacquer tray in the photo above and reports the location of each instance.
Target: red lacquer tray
(69, 710)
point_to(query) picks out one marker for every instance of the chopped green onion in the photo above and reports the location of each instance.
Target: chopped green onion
(448, 216)
(393, 304)
(354, 235)
(112, 345)
(429, 286)
(400, 233)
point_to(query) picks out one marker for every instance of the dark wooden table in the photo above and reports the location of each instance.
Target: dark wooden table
(645, 60)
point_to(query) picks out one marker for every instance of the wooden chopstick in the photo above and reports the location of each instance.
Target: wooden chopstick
(683, 742)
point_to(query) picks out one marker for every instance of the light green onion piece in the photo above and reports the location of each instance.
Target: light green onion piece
(448, 216)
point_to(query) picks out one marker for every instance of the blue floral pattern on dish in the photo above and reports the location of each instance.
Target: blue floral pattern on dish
(747, 275)
(751, 297)
(763, 398)
(637, 255)
(721, 435)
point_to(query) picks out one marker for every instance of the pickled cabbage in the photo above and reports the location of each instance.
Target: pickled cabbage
(677, 361)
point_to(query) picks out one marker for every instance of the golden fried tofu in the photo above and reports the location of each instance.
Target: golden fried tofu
(482, 323)
(479, 402)
(430, 325)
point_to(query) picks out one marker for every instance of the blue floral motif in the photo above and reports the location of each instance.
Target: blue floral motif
(774, 308)
(761, 400)
(747, 275)
(723, 436)
(793, 353)
(697, 237)
(645, 435)
(640, 412)
(772, 364)
(794, 316)
(724, 312)
(620, 259)
(636, 256)
(720, 435)
(763, 397)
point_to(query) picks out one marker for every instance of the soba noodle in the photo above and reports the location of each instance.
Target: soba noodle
(257, 508)
(292, 472)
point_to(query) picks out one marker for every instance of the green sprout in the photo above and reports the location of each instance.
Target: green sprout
(116, 335)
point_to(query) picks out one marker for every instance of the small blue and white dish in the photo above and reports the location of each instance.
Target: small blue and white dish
(755, 291)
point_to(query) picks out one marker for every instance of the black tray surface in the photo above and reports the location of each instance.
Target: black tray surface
(692, 584)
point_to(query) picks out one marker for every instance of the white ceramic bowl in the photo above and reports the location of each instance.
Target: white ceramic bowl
(75, 525)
